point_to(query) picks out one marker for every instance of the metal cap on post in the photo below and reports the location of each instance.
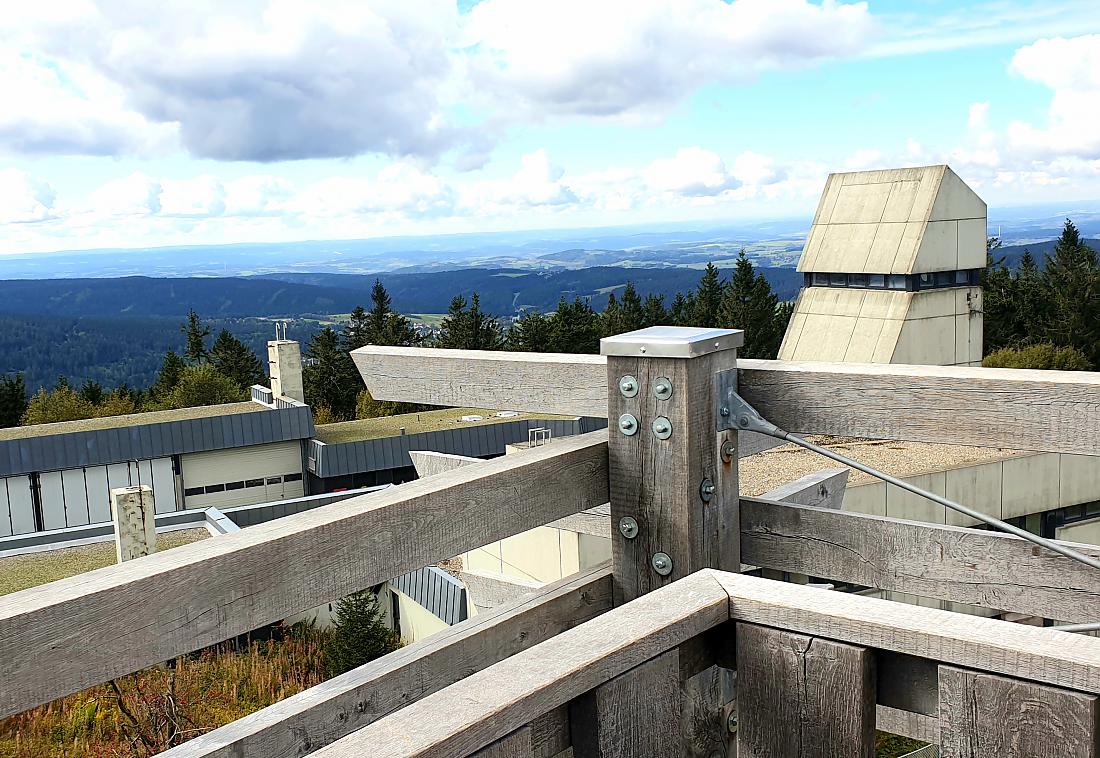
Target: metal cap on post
(669, 479)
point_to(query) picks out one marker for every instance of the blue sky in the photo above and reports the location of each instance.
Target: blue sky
(138, 124)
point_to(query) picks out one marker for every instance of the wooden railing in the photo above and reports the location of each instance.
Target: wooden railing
(629, 660)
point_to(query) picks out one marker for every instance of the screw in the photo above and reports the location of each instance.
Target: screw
(662, 388)
(706, 490)
(628, 425)
(661, 563)
(628, 527)
(628, 386)
(731, 722)
(725, 411)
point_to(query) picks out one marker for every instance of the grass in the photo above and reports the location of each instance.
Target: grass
(20, 572)
(414, 423)
(428, 319)
(155, 709)
(892, 746)
(131, 419)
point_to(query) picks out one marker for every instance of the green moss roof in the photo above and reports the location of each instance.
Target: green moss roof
(414, 423)
(131, 419)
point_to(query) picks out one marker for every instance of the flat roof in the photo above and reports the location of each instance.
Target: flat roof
(771, 468)
(415, 423)
(130, 419)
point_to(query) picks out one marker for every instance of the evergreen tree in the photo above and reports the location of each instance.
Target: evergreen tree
(168, 376)
(359, 634)
(1000, 314)
(382, 325)
(574, 328)
(680, 311)
(653, 311)
(469, 327)
(633, 313)
(530, 333)
(196, 334)
(1028, 300)
(1041, 356)
(748, 303)
(92, 391)
(202, 384)
(232, 358)
(330, 379)
(1071, 284)
(708, 298)
(357, 331)
(612, 320)
(13, 399)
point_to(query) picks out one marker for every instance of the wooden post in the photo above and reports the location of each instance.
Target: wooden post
(135, 526)
(674, 507)
(803, 697)
(989, 715)
(674, 511)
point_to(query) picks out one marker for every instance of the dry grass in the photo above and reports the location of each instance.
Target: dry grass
(148, 712)
(131, 419)
(414, 423)
(20, 572)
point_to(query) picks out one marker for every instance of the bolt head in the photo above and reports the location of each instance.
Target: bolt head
(725, 411)
(628, 425)
(662, 428)
(743, 422)
(661, 563)
(731, 722)
(662, 388)
(628, 386)
(628, 527)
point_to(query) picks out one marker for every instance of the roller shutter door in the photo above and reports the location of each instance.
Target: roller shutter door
(243, 475)
(75, 497)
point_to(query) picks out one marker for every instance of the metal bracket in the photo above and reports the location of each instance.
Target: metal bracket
(732, 412)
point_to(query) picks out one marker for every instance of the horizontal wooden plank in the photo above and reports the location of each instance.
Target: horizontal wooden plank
(822, 489)
(322, 714)
(1027, 652)
(428, 462)
(489, 589)
(545, 382)
(1056, 411)
(915, 726)
(70, 634)
(972, 566)
(488, 705)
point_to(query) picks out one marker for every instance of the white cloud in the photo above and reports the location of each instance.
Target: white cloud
(133, 195)
(1071, 69)
(24, 198)
(693, 172)
(619, 57)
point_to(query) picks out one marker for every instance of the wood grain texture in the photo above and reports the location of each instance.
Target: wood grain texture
(635, 714)
(516, 745)
(67, 635)
(1054, 411)
(973, 566)
(915, 726)
(821, 489)
(544, 382)
(656, 482)
(429, 462)
(487, 705)
(803, 697)
(1040, 654)
(983, 715)
(323, 714)
(488, 589)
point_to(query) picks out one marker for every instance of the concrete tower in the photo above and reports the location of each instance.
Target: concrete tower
(891, 269)
(284, 360)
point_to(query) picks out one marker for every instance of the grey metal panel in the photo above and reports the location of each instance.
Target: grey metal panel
(76, 497)
(5, 513)
(20, 504)
(53, 500)
(99, 498)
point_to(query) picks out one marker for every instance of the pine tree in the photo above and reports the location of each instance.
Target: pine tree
(631, 303)
(653, 311)
(748, 303)
(1000, 312)
(359, 635)
(330, 379)
(92, 391)
(357, 330)
(611, 319)
(530, 333)
(199, 385)
(196, 334)
(13, 399)
(680, 311)
(1071, 283)
(708, 298)
(469, 327)
(232, 358)
(168, 376)
(453, 332)
(574, 328)
(382, 325)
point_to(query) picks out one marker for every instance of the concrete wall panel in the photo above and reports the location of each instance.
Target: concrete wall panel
(978, 487)
(906, 505)
(1031, 484)
(1079, 477)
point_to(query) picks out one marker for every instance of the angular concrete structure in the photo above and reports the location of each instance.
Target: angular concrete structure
(892, 266)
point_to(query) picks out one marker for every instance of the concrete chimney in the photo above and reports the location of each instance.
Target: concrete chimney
(284, 359)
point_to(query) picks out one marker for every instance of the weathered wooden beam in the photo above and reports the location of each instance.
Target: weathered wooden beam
(428, 462)
(67, 635)
(823, 489)
(915, 726)
(637, 713)
(318, 716)
(488, 705)
(518, 744)
(1054, 411)
(489, 589)
(802, 696)
(1040, 654)
(962, 565)
(983, 715)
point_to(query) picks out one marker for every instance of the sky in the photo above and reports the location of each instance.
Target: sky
(128, 123)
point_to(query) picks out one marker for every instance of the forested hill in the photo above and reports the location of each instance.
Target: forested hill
(503, 292)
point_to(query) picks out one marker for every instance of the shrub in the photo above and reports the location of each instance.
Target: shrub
(1042, 356)
(359, 635)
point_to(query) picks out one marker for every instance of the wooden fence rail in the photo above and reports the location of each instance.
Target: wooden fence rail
(1054, 411)
(71, 634)
(809, 666)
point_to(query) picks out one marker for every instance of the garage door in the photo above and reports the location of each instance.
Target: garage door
(82, 496)
(243, 475)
